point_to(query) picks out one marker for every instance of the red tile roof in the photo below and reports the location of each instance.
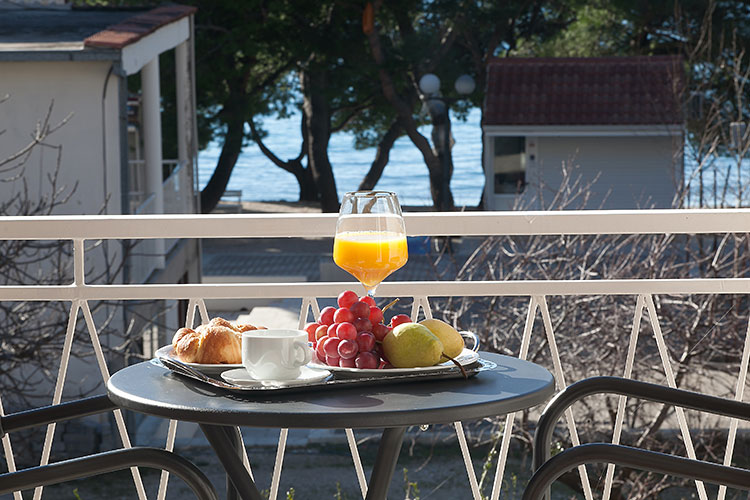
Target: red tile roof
(134, 28)
(642, 90)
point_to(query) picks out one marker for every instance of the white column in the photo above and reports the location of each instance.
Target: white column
(187, 130)
(152, 153)
(488, 153)
(184, 101)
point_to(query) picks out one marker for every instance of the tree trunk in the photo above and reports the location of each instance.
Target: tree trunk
(404, 111)
(440, 178)
(307, 189)
(381, 157)
(318, 125)
(230, 151)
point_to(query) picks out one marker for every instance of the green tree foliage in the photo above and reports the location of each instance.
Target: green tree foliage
(449, 38)
(256, 59)
(337, 84)
(241, 66)
(640, 27)
(594, 30)
(259, 59)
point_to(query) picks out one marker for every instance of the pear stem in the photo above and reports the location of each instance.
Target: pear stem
(463, 372)
(390, 304)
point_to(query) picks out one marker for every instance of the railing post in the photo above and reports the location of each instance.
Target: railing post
(152, 151)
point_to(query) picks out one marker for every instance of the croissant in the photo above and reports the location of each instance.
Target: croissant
(218, 342)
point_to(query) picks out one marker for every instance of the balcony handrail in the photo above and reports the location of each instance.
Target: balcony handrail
(303, 225)
(165, 161)
(82, 291)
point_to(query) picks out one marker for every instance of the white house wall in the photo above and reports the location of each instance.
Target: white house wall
(90, 151)
(638, 172)
(90, 139)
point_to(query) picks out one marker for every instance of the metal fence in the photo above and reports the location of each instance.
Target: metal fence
(80, 229)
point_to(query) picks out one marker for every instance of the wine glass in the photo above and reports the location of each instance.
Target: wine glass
(370, 241)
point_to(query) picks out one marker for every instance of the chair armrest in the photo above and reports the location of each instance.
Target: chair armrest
(634, 458)
(626, 387)
(55, 413)
(96, 464)
(110, 461)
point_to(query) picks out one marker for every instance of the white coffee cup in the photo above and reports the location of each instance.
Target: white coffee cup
(275, 354)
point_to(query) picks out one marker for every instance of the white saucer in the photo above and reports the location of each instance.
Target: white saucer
(240, 376)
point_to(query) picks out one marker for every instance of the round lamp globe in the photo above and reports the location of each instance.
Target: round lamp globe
(465, 85)
(429, 83)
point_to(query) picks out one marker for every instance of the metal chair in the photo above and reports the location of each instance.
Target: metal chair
(547, 469)
(95, 464)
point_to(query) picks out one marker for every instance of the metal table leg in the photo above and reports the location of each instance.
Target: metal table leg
(385, 462)
(233, 434)
(225, 442)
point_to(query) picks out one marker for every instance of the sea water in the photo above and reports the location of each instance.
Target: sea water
(406, 173)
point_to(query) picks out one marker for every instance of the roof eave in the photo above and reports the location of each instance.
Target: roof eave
(21, 54)
(584, 130)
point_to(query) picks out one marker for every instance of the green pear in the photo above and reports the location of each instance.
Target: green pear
(410, 345)
(452, 341)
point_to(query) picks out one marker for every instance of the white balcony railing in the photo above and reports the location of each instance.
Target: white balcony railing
(177, 195)
(90, 228)
(178, 199)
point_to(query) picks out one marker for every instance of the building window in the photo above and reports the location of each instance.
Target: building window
(510, 165)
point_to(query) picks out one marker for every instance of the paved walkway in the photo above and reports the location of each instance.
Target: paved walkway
(312, 257)
(253, 263)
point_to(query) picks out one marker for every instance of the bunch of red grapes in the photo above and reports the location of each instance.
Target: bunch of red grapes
(350, 336)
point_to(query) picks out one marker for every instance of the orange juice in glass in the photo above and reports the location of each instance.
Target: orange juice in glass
(370, 241)
(370, 256)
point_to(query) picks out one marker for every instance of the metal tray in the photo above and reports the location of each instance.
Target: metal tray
(333, 381)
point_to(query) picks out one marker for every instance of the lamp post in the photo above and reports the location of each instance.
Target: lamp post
(439, 106)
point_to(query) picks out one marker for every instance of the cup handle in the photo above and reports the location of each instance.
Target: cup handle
(303, 354)
(473, 337)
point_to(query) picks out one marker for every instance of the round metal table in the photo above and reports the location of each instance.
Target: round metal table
(511, 385)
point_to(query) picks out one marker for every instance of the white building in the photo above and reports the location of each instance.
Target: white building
(617, 120)
(79, 63)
